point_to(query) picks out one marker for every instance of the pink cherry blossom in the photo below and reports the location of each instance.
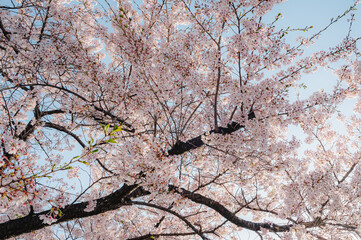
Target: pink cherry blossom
(177, 120)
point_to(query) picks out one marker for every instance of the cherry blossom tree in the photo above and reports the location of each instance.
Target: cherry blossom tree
(168, 119)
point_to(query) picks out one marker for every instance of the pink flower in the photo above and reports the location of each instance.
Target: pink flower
(47, 219)
(90, 207)
(73, 173)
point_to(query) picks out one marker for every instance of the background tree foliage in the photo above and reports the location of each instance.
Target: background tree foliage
(169, 119)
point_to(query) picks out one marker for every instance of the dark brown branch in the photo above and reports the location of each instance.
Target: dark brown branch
(63, 129)
(44, 23)
(18, 7)
(4, 31)
(103, 166)
(182, 147)
(51, 112)
(7, 35)
(195, 197)
(30, 127)
(113, 201)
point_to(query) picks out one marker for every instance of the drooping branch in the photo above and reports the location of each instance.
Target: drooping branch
(198, 198)
(182, 147)
(32, 222)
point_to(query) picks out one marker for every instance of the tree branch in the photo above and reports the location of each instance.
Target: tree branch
(182, 147)
(7, 35)
(195, 197)
(105, 112)
(113, 201)
(189, 224)
(63, 129)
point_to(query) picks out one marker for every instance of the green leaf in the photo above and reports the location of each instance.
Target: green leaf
(111, 141)
(95, 150)
(116, 128)
(85, 162)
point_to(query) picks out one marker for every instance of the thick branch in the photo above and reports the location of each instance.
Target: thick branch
(30, 127)
(113, 201)
(182, 147)
(195, 197)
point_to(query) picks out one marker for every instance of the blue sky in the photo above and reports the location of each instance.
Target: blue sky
(317, 13)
